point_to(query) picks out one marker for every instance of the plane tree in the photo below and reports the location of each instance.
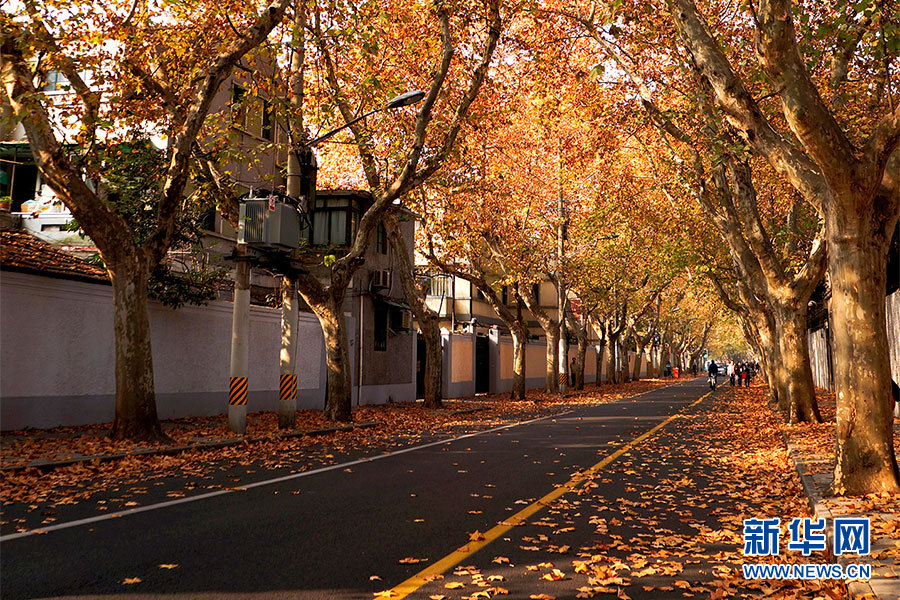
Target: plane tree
(835, 141)
(363, 50)
(114, 88)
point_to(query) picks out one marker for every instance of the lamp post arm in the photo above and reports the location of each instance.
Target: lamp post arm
(322, 138)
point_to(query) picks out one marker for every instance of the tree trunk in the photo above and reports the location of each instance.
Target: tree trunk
(431, 331)
(520, 339)
(552, 382)
(612, 372)
(626, 348)
(795, 359)
(580, 354)
(865, 454)
(775, 372)
(136, 417)
(429, 321)
(338, 403)
(551, 331)
(600, 350)
(638, 363)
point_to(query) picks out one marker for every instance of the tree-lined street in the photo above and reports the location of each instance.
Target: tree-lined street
(393, 298)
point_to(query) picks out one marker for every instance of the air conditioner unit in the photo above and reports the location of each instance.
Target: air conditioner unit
(381, 280)
(269, 223)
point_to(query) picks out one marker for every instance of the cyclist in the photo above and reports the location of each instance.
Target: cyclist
(713, 374)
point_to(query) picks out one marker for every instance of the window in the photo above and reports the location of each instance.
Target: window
(381, 241)
(329, 218)
(380, 321)
(479, 295)
(396, 320)
(504, 295)
(439, 286)
(268, 119)
(329, 228)
(536, 292)
(238, 110)
(54, 81)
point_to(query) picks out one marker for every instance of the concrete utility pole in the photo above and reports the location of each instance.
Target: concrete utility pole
(240, 346)
(287, 388)
(287, 396)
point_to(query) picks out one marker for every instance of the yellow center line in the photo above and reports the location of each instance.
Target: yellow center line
(427, 574)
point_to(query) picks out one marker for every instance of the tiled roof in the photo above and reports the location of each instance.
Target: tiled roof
(21, 251)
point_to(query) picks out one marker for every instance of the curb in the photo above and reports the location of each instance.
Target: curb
(49, 465)
(858, 590)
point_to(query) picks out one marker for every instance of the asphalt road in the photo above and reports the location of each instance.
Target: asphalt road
(326, 534)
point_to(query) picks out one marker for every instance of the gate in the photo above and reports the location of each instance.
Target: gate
(482, 365)
(420, 366)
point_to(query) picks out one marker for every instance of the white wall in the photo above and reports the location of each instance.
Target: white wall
(818, 357)
(57, 355)
(892, 309)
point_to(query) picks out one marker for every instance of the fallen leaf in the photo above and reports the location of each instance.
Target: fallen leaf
(454, 585)
(409, 560)
(171, 566)
(554, 575)
(130, 580)
(476, 536)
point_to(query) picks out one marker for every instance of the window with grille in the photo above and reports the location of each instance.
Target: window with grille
(381, 241)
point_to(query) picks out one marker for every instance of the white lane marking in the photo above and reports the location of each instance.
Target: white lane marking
(132, 511)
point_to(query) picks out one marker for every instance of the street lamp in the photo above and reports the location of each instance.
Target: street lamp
(302, 170)
(397, 102)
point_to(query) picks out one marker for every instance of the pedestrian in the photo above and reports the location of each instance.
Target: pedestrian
(572, 373)
(730, 371)
(745, 375)
(668, 369)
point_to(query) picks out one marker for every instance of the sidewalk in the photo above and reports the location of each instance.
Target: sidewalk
(812, 450)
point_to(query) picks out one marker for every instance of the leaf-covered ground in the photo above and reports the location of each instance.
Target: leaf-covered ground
(663, 521)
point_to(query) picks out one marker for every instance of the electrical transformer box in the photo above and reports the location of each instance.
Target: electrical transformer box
(269, 223)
